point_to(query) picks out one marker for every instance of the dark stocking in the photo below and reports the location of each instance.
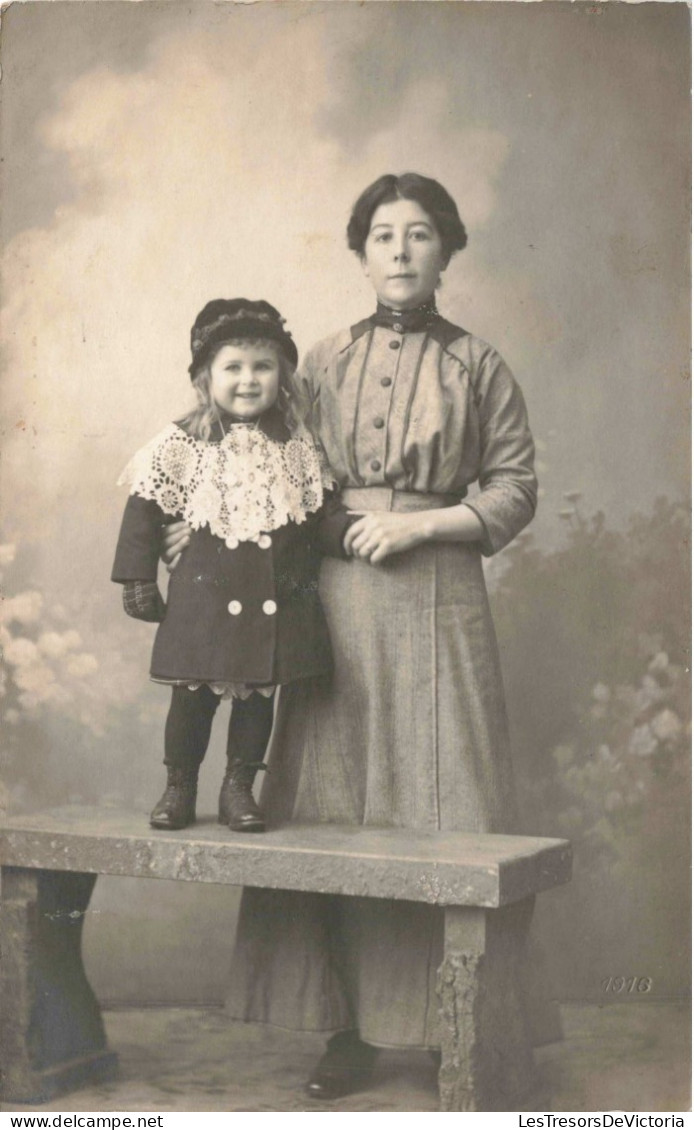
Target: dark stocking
(188, 726)
(250, 726)
(249, 733)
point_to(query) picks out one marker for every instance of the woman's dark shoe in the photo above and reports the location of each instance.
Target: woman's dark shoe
(346, 1066)
(176, 808)
(237, 806)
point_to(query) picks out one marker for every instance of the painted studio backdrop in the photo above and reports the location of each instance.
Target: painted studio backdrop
(159, 155)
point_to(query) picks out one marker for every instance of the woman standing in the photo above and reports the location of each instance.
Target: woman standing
(411, 731)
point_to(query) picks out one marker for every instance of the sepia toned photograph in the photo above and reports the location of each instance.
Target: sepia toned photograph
(345, 557)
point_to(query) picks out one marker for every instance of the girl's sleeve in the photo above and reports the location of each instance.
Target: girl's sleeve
(139, 541)
(331, 524)
(508, 487)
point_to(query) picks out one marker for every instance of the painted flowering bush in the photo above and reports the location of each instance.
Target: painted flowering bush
(628, 755)
(594, 639)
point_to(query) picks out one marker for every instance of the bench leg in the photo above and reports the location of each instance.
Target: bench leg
(486, 1054)
(51, 1033)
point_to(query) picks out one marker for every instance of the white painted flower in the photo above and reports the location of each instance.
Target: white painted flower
(20, 652)
(642, 742)
(35, 679)
(651, 690)
(601, 693)
(56, 644)
(644, 699)
(659, 662)
(666, 726)
(82, 664)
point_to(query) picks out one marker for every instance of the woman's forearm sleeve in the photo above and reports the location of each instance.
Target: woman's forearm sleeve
(508, 486)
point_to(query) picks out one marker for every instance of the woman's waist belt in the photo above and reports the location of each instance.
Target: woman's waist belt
(383, 498)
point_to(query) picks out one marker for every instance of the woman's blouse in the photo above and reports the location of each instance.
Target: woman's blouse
(430, 411)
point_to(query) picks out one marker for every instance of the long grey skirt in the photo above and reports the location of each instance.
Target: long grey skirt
(410, 731)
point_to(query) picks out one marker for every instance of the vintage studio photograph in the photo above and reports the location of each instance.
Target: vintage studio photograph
(345, 557)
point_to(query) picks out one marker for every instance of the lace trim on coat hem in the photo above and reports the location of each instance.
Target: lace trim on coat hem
(242, 487)
(224, 690)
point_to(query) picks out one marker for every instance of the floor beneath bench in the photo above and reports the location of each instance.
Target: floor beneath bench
(632, 1057)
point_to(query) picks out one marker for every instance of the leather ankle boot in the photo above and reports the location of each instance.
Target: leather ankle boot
(237, 806)
(176, 808)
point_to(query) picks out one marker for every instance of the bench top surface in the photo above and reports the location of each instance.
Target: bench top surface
(446, 868)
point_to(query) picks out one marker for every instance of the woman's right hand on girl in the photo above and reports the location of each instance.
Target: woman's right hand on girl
(174, 539)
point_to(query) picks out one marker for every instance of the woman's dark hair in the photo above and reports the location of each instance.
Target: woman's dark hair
(428, 193)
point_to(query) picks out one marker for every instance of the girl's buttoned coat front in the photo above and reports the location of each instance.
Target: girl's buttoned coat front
(250, 614)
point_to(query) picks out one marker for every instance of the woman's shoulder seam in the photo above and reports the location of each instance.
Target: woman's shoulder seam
(333, 343)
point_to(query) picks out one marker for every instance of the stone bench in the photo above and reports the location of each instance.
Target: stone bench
(51, 1032)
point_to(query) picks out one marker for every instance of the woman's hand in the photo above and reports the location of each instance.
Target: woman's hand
(381, 533)
(174, 539)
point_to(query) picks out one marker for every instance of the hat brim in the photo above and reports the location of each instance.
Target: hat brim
(245, 329)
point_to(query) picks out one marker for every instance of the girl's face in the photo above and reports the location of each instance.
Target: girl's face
(245, 378)
(403, 255)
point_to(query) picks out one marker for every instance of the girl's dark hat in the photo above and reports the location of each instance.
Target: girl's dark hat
(226, 319)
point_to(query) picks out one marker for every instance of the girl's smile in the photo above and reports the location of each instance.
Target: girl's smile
(244, 379)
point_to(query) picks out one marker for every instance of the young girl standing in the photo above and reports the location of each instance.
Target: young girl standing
(242, 614)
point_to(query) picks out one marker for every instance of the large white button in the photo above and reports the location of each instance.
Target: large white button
(269, 607)
(264, 541)
(234, 607)
(232, 542)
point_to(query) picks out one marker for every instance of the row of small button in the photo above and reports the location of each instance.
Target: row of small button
(263, 542)
(236, 608)
(386, 382)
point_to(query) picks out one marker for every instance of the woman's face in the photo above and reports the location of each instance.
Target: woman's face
(403, 255)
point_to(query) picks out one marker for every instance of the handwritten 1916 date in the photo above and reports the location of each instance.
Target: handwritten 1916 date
(627, 984)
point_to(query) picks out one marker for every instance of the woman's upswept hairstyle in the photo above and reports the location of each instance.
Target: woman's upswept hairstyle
(201, 419)
(428, 193)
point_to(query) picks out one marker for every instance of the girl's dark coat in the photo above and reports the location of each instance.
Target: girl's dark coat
(219, 625)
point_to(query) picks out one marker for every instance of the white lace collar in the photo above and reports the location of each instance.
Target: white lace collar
(242, 487)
